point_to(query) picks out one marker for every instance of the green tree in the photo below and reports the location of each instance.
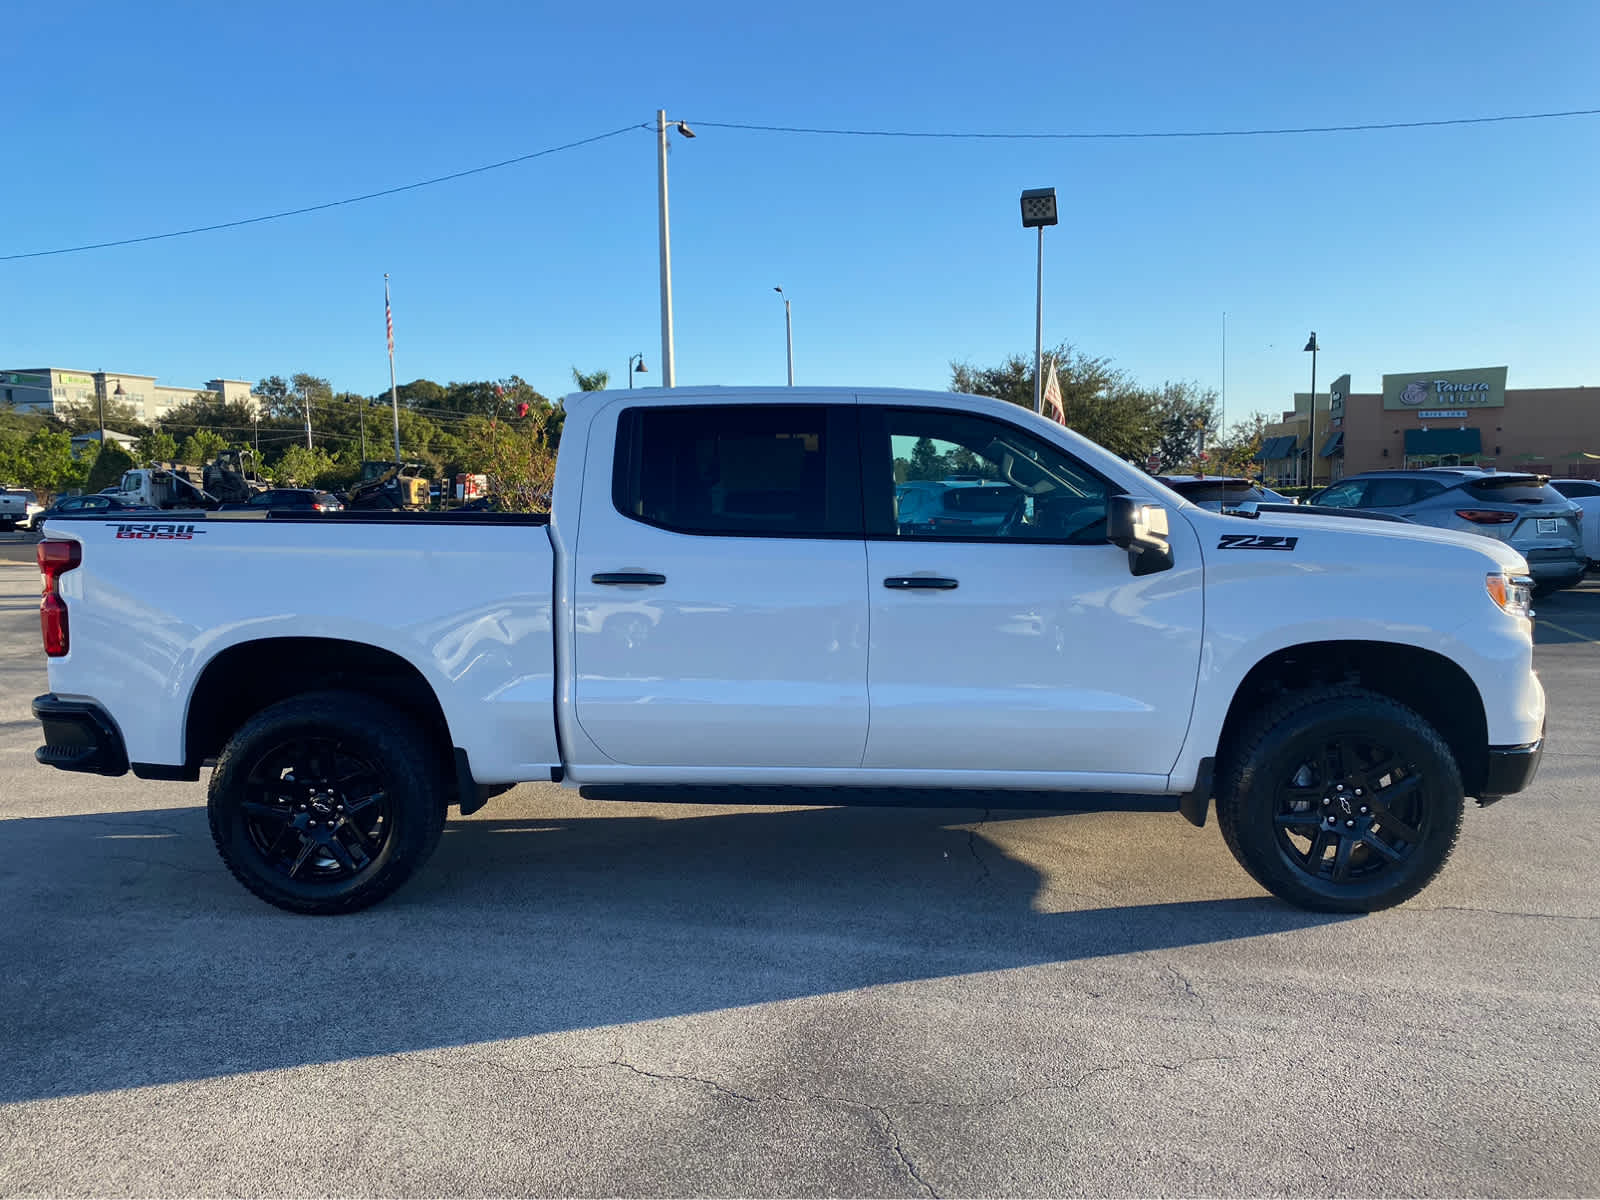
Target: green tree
(304, 468)
(109, 464)
(85, 417)
(1235, 451)
(520, 460)
(156, 447)
(1182, 414)
(926, 462)
(202, 446)
(595, 381)
(1100, 402)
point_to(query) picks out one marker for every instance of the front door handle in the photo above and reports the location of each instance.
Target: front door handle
(620, 578)
(933, 583)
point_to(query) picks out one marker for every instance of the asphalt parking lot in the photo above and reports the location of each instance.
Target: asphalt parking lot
(587, 998)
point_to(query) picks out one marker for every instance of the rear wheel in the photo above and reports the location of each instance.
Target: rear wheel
(1341, 800)
(326, 802)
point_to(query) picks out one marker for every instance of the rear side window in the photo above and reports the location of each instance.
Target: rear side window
(1396, 493)
(1577, 491)
(740, 470)
(1342, 495)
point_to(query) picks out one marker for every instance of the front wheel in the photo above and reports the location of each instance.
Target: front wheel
(1340, 800)
(326, 802)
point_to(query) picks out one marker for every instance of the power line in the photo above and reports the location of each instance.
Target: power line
(1138, 134)
(311, 208)
(942, 134)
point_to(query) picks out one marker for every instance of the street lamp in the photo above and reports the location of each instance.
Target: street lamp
(669, 377)
(631, 368)
(118, 392)
(1038, 210)
(1311, 443)
(788, 326)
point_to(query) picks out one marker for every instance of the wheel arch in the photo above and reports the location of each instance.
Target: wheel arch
(242, 679)
(1429, 683)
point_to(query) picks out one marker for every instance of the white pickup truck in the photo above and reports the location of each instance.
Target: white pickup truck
(15, 508)
(724, 605)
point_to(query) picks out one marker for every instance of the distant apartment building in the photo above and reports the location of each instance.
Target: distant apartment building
(58, 391)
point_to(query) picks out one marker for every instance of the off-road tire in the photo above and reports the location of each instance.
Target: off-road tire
(402, 758)
(1258, 769)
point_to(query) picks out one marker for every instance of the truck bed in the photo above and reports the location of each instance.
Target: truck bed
(464, 600)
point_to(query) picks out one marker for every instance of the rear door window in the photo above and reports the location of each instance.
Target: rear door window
(761, 470)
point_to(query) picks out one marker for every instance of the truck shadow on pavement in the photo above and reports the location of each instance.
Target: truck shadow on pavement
(132, 958)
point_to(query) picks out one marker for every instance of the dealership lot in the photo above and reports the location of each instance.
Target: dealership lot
(585, 998)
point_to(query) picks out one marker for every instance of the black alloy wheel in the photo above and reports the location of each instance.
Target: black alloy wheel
(1353, 810)
(315, 811)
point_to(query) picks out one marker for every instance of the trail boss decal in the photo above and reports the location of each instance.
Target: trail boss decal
(159, 533)
(1254, 541)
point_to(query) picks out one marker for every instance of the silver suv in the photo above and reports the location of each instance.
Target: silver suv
(1523, 511)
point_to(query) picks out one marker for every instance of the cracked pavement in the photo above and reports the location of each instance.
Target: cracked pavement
(590, 998)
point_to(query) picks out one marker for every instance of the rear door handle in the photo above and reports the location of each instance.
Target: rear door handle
(620, 578)
(934, 583)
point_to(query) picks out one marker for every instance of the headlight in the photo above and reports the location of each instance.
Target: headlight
(1513, 593)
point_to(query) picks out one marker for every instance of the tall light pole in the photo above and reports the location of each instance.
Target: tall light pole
(1038, 210)
(669, 376)
(788, 328)
(631, 368)
(1311, 445)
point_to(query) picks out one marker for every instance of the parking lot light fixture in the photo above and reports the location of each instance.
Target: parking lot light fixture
(1038, 210)
(1311, 437)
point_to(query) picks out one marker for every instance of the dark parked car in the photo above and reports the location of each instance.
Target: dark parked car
(1522, 510)
(1219, 493)
(86, 506)
(293, 500)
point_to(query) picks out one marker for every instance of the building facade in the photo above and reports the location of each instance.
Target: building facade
(1436, 418)
(58, 391)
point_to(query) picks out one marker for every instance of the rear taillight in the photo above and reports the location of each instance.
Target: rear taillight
(1486, 516)
(55, 560)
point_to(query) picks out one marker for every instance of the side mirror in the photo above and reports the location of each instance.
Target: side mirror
(1141, 529)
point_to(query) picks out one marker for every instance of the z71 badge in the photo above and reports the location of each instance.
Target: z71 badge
(1253, 541)
(159, 533)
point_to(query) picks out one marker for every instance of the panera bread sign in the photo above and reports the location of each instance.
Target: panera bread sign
(1421, 391)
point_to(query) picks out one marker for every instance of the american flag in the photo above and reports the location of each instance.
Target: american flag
(388, 317)
(1052, 397)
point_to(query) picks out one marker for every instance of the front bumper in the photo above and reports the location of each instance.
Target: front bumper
(79, 736)
(1511, 769)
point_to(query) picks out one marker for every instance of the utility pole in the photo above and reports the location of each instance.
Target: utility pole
(669, 373)
(362, 410)
(669, 376)
(307, 394)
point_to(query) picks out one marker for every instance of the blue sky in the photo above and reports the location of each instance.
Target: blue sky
(1405, 250)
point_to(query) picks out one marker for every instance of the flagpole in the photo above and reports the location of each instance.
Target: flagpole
(394, 395)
